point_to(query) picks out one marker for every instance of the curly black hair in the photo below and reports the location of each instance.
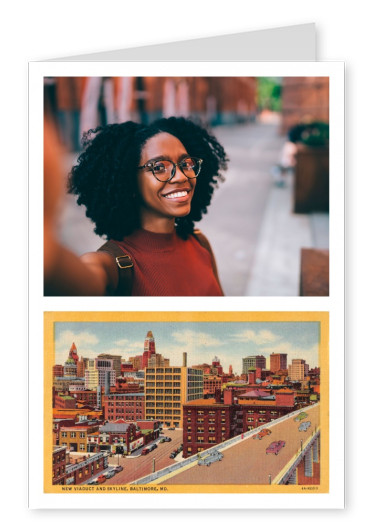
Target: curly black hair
(105, 176)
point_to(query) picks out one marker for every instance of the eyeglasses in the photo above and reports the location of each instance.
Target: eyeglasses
(165, 170)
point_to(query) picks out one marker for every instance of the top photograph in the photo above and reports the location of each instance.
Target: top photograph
(186, 186)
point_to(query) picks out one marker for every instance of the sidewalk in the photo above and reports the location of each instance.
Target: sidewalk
(276, 266)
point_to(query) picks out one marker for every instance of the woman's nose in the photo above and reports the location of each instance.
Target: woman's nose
(178, 176)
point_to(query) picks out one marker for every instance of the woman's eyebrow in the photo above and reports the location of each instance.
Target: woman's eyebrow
(166, 157)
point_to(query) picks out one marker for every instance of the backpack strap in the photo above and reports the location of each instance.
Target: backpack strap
(204, 242)
(125, 267)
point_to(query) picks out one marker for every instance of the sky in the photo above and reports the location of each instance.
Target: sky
(229, 341)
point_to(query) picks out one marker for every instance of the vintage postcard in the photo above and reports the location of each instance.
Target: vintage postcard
(186, 402)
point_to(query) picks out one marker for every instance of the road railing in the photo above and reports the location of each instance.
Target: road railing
(189, 461)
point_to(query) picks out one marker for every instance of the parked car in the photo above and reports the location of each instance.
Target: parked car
(275, 447)
(153, 447)
(145, 451)
(173, 455)
(172, 428)
(304, 426)
(162, 440)
(101, 479)
(93, 482)
(110, 474)
(168, 439)
(210, 458)
(118, 468)
(262, 433)
(301, 416)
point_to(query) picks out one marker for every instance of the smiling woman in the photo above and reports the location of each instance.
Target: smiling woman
(144, 187)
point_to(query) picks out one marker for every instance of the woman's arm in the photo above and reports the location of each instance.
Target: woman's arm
(64, 272)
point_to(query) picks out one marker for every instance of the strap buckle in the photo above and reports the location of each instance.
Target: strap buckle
(128, 259)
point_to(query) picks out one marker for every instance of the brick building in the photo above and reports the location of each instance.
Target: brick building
(211, 384)
(304, 99)
(75, 437)
(126, 436)
(57, 370)
(206, 423)
(278, 362)
(83, 467)
(209, 422)
(64, 402)
(124, 406)
(86, 397)
(58, 465)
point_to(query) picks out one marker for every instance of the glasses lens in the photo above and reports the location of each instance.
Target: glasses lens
(162, 169)
(191, 167)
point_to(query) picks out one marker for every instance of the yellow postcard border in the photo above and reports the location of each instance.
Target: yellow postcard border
(65, 316)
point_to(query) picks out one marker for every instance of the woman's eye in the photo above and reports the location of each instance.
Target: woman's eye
(159, 167)
(188, 164)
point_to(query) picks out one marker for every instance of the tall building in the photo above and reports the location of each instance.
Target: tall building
(91, 375)
(106, 372)
(57, 370)
(70, 368)
(253, 362)
(73, 353)
(136, 362)
(217, 367)
(167, 389)
(116, 359)
(298, 370)
(149, 349)
(157, 360)
(81, 368)
(278, 362)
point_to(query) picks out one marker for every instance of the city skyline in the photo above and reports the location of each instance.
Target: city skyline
(229, 341)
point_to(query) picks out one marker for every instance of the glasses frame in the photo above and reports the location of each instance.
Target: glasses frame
(150, 166)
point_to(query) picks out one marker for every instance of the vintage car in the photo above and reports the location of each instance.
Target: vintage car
(210, 458)
(262, 433)
(101, 479)
(275, 447)
(304, 426)
(145, 450)
(301, 416)
(109, 474)
(118, 468)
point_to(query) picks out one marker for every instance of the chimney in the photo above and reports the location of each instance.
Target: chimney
(184, 359)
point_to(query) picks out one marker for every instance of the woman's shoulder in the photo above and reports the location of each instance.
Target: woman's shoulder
(202, 239)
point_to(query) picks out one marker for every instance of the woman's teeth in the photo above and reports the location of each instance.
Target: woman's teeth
(176, 194)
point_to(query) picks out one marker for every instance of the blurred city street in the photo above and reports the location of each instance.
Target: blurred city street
(255, 235)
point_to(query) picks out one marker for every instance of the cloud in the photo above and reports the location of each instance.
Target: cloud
(121, 342)
(81, 340)
(197, 339)
(259, 338)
